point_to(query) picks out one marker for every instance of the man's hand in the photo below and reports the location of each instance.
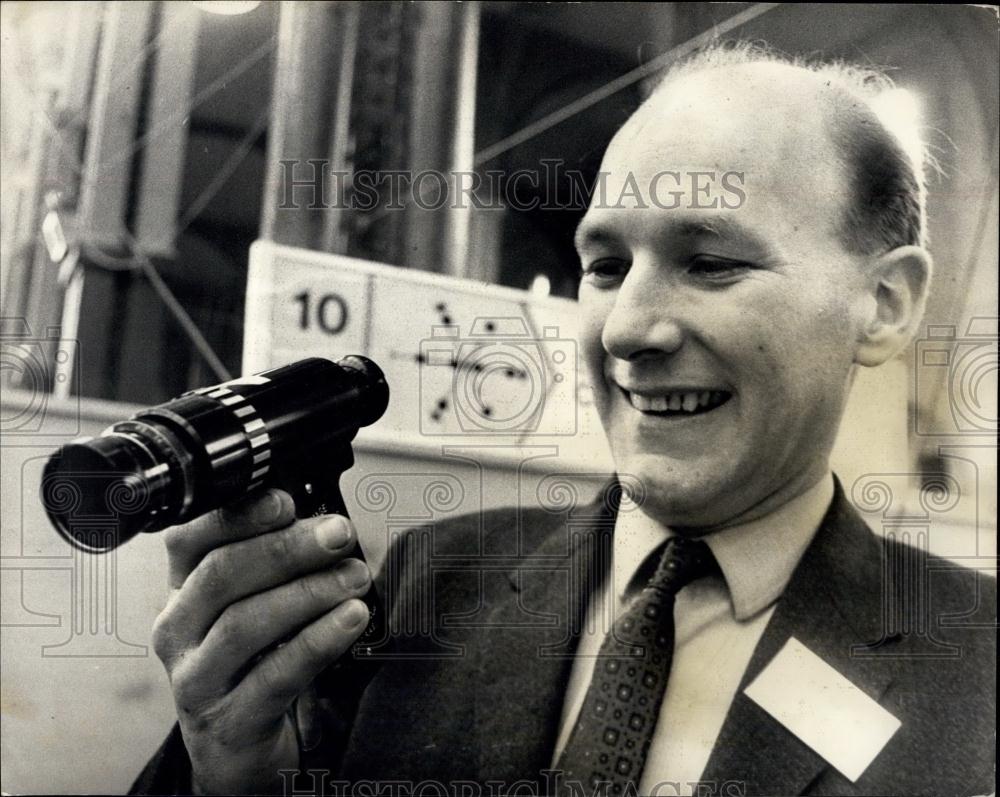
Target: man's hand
(260, 604)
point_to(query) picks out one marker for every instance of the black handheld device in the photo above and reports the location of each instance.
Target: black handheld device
(289, 427)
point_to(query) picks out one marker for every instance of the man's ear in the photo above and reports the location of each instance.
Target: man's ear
(898, 284)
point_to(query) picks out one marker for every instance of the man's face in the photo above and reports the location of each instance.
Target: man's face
(721, 341)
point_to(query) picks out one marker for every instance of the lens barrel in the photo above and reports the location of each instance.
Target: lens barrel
(172, 463)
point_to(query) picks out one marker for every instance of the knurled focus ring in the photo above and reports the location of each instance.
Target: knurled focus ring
(253, 427)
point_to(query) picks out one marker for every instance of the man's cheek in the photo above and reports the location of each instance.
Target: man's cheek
(599, 394)
(592, 350)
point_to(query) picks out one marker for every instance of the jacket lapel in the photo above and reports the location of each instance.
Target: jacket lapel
(533, 632)
(832, 605)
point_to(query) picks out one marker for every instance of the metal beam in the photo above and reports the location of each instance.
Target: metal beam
(165, 144)
(104, 192)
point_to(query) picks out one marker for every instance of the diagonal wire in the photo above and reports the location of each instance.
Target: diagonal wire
(146, 265)
(224, 172)
(603, 92)
(149, 269)
(220, 82)
(174, 305)
(619, 83)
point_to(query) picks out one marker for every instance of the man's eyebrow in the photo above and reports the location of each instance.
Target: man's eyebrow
(589, 233)
(725, 228)
(719, 226)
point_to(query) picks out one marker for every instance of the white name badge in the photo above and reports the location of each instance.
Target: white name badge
(823, 709)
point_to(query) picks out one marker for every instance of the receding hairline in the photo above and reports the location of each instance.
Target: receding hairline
(888, 207)
(800, 92)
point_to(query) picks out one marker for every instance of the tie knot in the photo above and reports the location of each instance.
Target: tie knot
(682, 561)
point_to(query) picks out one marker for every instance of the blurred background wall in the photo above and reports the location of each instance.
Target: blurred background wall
(142, 153)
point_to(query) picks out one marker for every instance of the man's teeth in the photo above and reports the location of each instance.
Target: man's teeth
(688, 401)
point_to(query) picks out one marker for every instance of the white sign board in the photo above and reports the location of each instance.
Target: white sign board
(466, 362)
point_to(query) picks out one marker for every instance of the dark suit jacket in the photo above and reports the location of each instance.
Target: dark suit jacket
(486, 612)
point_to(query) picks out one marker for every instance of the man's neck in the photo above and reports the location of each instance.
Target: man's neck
(756, 557)
(767, 505)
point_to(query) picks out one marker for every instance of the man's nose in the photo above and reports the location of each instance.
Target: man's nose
(645, 320)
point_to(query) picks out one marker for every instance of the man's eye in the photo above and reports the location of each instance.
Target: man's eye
(718, 267)
(605, 269)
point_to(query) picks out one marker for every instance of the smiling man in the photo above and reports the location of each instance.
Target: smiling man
(722, 621)
(723, 341)
(759, 313)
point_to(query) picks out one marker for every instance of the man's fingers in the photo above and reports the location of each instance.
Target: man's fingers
(255, 623)
(272, 685)
(229, 573)
(188, 544)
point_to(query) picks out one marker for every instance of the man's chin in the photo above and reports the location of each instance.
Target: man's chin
(686, 512)
(681, 503)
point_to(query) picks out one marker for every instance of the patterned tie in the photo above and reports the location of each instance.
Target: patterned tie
(611, 737)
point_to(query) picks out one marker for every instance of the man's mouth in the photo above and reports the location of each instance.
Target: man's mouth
(678, 402)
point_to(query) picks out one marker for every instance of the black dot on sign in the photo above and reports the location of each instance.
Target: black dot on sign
(509, 373)
(442, 404)
(420, 358)
(446, 319)
(440, 307)
(487, 412)
(490, 326)
(435, 416)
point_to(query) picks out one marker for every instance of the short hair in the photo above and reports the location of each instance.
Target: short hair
(887, 177)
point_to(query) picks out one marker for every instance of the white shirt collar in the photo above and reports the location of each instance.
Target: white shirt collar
(756, 558)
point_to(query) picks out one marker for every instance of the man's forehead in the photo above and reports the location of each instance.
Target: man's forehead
(753, 88)
(764, 128)
(753, 118)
